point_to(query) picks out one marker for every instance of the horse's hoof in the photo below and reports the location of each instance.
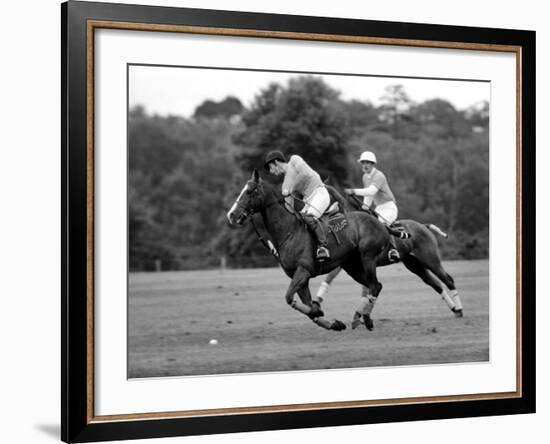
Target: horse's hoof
(458, 312)
(316, 311)
(337, 325)
(368, 323)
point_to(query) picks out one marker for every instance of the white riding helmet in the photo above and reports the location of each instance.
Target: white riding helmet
(367, 156)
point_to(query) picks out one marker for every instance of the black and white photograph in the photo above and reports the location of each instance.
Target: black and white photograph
(242, 222)
(287, 221)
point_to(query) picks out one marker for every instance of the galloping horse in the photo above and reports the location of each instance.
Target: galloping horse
(361, 245)
(420, 255)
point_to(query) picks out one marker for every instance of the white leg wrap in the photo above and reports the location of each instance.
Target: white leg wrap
(322, 322)
(447, 298)
(298, 306)
(366, 305)
(456, 299)
(322, 292)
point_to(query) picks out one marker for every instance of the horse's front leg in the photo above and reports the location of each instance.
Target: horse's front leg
(300, 285)
(322, 292)
(305, 297)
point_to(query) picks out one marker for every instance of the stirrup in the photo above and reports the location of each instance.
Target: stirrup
(393, 255)
(322, 254)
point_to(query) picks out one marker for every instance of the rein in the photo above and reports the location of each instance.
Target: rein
(359, 205)
(267, 243)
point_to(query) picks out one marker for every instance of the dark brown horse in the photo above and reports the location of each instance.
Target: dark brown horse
(360, 246)
(420, 255)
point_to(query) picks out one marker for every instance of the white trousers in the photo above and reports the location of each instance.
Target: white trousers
(317, 202)
(387, 212)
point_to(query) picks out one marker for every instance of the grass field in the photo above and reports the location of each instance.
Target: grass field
(173, 315)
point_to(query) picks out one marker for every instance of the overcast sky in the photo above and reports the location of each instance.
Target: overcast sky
(177, 90)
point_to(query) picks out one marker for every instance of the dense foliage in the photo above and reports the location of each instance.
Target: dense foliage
(184, 174)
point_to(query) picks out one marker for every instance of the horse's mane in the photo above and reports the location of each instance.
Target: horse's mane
(269, 186)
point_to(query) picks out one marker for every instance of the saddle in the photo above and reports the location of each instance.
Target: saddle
(333, 220)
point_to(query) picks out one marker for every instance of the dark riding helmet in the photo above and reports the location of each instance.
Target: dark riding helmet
(271, 156)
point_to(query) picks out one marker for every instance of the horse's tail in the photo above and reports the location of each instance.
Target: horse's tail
(437, 230)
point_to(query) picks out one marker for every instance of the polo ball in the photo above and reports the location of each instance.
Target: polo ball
(213, 342)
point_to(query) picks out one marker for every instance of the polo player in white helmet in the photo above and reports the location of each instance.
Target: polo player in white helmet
(377, 193)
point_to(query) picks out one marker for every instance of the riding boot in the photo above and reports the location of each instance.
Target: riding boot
(393, 253)
(316, 228)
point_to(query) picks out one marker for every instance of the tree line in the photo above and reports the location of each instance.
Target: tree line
(185, 173)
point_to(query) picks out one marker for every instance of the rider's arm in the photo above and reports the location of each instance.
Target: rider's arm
(367, 193)
(371, 190)
(371, 186)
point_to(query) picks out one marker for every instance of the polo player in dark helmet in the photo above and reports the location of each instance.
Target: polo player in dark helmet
(301, 178)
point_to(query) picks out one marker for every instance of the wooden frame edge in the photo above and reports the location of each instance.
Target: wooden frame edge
(105, 24)
(90, 212)
(337, 38)
(284, 408)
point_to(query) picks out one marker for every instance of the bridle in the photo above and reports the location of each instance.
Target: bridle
(247, 212)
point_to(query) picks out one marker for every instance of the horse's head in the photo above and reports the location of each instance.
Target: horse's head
(250, 200)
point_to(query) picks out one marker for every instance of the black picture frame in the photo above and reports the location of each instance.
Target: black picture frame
(77, 420)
